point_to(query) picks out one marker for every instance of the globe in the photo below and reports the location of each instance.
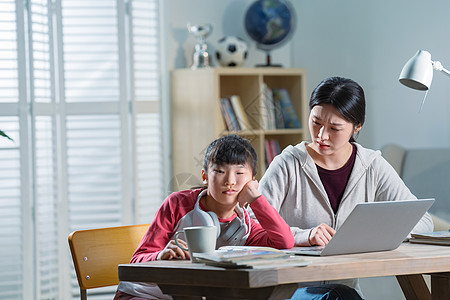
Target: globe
(270, 23)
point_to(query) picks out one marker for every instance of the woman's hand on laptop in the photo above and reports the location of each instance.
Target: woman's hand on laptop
(321, 235)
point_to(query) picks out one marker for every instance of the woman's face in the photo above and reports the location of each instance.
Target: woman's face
(330, 132)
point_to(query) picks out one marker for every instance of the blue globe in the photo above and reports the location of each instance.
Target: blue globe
(270, 23)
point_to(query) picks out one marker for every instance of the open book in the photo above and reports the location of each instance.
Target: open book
(249, 257)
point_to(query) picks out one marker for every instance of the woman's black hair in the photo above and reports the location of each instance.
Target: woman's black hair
(231, 149)
(345, 95)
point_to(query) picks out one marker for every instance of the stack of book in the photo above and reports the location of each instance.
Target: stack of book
(234, 114)
(249, 257)
(272, 149)
(267, 109)
(437, 238)
(277, 110)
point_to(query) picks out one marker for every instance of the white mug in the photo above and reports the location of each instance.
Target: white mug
(200, 239)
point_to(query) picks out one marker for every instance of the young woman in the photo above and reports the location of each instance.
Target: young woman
(229, 174)
(315, 185)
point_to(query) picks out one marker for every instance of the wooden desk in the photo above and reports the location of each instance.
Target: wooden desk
(408, 262)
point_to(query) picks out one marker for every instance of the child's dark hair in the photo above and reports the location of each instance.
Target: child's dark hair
(230, 149)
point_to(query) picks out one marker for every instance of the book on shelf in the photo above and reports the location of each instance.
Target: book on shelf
(240, 113)
(229, 115)
(267, 109)
(283, 102)
(278, 115)
(226, 117)
(249, 257)
(268, 149)
(272, 149)
(436, 237)
(275, 147)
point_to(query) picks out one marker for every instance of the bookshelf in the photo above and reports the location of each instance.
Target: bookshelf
(197, 116)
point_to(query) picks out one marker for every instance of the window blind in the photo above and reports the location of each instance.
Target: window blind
(80, 96)
(11, 272)
(10, 214)
(145, 44)
(42, 140)
(46, 208)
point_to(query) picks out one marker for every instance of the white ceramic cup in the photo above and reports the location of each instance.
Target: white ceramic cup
(200, 239)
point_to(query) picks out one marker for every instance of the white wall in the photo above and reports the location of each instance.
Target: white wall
(368, 41)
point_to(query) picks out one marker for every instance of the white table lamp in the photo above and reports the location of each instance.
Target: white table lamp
(418, 71)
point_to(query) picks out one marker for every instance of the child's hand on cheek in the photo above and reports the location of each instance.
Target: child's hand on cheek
(249, 193)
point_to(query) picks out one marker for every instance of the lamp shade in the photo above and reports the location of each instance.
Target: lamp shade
(418, 71)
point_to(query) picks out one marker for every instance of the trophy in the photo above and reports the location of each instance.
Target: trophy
(201, 55)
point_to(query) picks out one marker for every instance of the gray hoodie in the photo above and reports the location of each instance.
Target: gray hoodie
(292, 185)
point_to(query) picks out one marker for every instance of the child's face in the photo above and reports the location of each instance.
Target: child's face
(225, 182)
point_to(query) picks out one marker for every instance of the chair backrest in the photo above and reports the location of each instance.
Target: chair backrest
(395, 155)
(96, 253)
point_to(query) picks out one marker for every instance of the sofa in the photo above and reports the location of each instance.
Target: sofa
(425, 172)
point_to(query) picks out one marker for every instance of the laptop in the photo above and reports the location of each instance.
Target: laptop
(372, 226)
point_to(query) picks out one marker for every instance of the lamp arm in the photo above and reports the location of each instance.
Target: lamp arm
(438, 66)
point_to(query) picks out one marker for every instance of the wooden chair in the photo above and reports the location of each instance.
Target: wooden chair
(97, 252)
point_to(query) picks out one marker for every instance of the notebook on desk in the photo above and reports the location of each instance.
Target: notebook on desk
(370, 227)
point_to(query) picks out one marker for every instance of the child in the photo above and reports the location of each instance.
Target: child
(229, 175)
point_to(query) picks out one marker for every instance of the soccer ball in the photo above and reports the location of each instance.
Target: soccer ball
(231, 51)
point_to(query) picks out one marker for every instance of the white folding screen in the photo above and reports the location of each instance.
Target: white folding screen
(80, 96)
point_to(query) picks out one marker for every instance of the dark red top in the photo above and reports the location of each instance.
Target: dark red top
(335, 181)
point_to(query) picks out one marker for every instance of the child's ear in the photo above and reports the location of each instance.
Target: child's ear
(204, 178)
